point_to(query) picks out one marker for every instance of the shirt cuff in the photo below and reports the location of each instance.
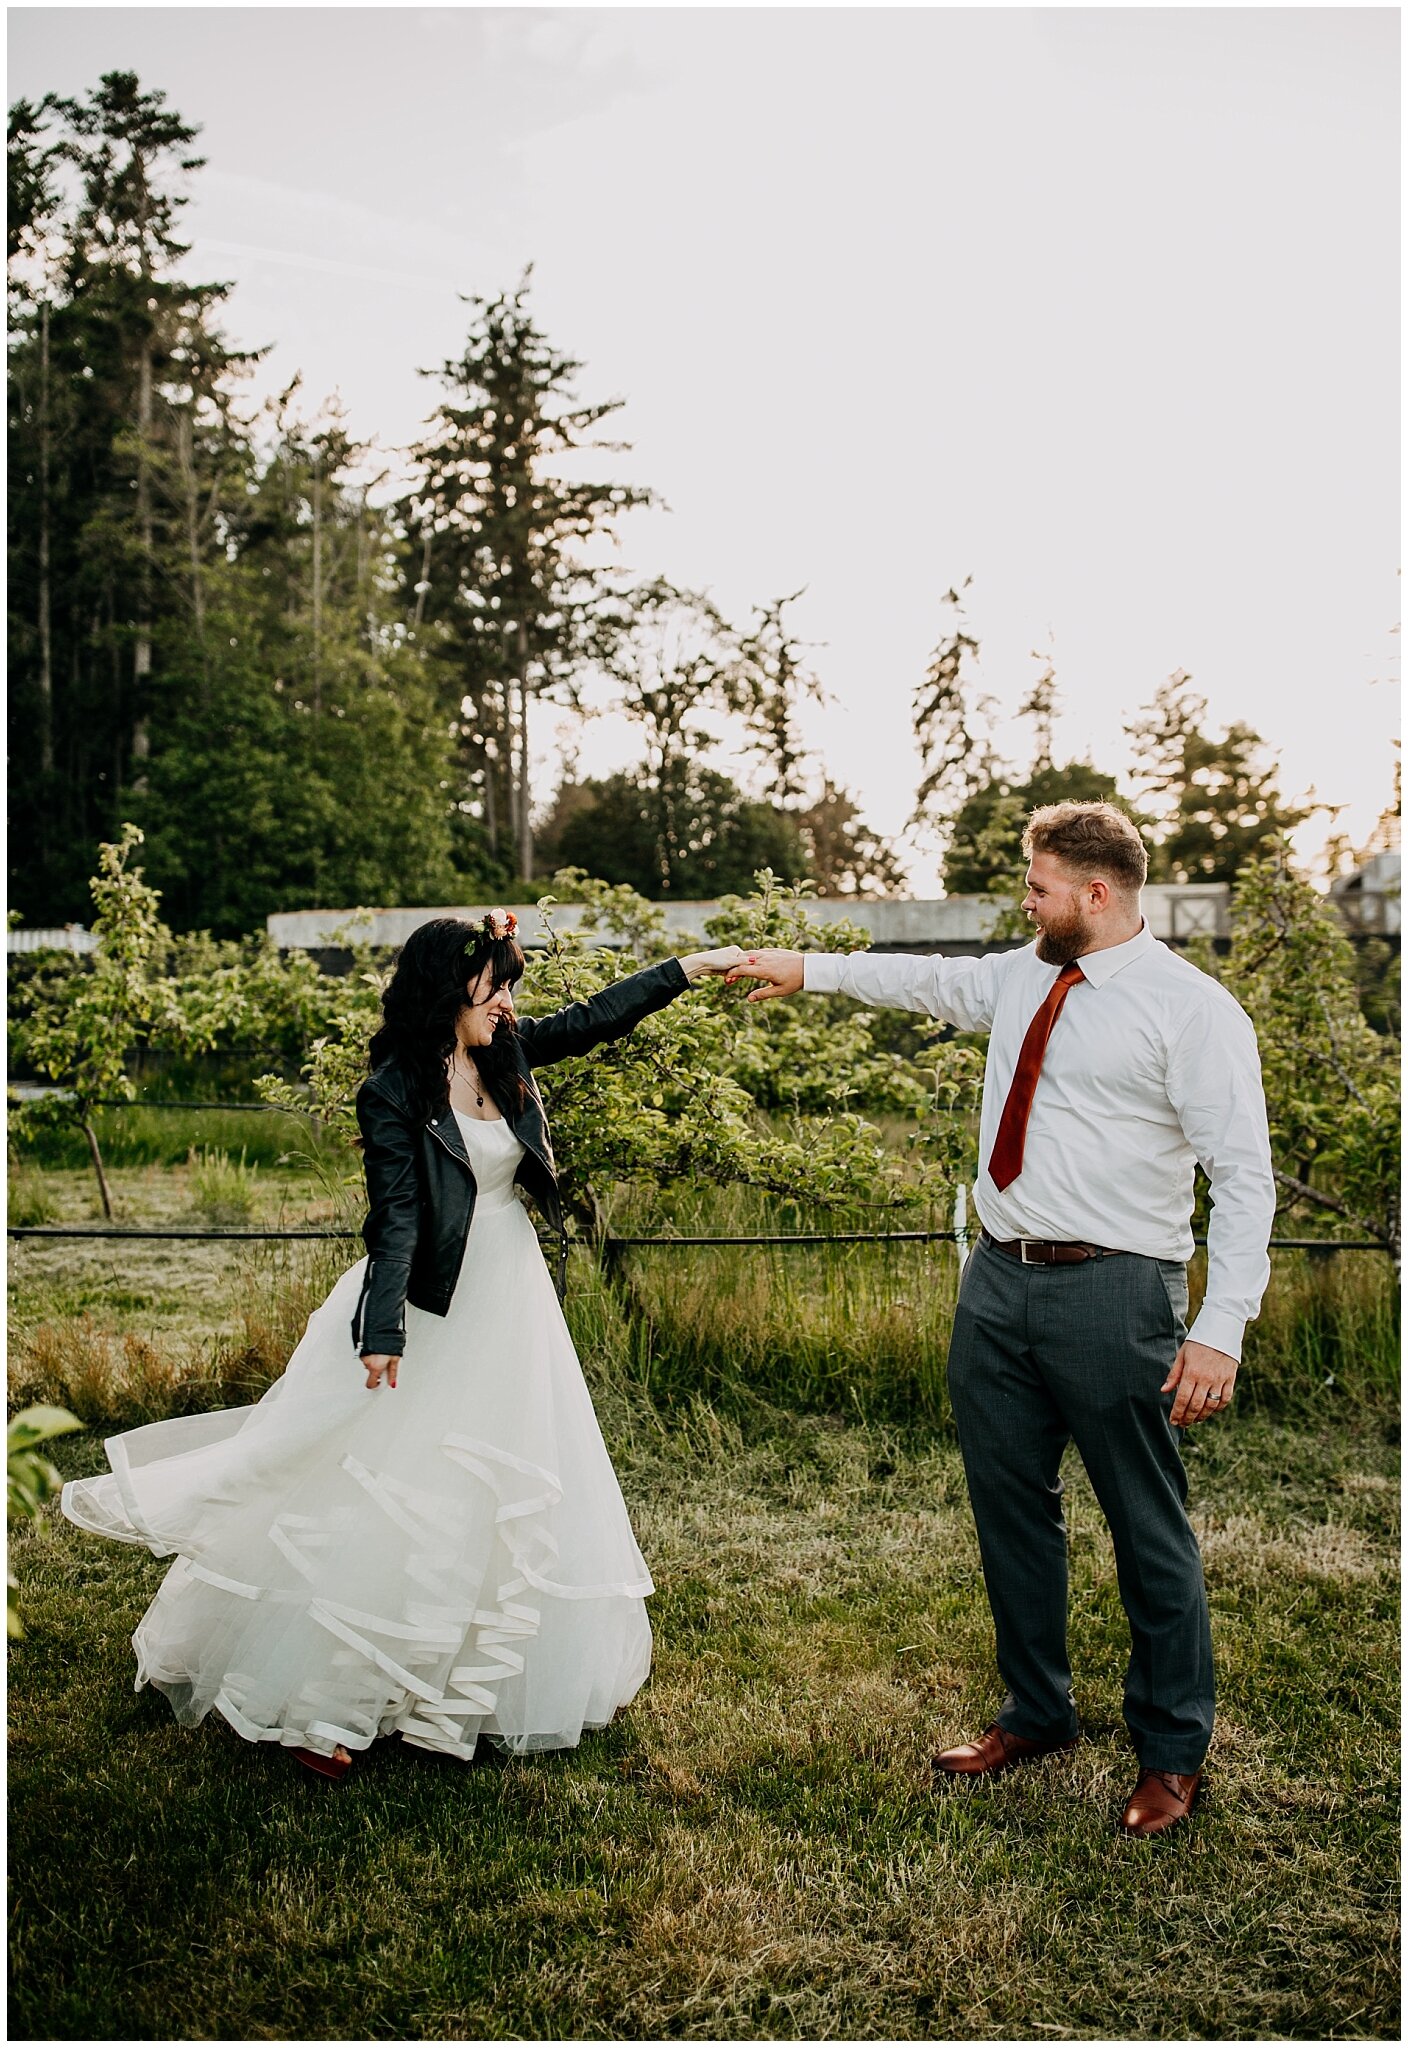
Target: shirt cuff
(1217, 1328)
(821, 972)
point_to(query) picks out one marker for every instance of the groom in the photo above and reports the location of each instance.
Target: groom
(1113, 1067)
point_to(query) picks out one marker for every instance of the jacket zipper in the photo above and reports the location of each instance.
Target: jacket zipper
(473, 1187)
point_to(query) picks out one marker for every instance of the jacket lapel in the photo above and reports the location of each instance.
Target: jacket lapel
(445, 1126)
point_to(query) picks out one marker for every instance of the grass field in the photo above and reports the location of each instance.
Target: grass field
(757, 1848)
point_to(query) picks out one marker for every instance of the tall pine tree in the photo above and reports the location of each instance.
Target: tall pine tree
(503, 552)
(206, 625)
(1215, 798)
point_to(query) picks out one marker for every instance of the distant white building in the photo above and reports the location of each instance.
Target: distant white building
(69, 938)
(1370, 900)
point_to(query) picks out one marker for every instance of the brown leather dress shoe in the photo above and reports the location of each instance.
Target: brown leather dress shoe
(996, 1749)
(1160, 1801)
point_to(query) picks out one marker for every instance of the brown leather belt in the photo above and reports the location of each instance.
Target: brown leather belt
(1042, 1251)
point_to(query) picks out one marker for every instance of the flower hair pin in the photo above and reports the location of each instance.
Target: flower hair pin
(498, 924)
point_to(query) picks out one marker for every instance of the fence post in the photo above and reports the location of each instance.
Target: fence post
(960, 1225)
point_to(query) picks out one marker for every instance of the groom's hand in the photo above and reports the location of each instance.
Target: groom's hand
(777, 971)
(1204, 1379)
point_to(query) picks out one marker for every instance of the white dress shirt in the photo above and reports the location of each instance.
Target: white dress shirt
(1151, 1068)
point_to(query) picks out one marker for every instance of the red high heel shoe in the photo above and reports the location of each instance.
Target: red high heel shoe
(333, 1767)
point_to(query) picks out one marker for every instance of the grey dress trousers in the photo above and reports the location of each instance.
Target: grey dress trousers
(1041, 1355)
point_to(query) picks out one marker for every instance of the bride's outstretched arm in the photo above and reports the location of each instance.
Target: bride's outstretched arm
(617, 1008)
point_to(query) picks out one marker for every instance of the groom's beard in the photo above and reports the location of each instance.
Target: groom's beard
(1061, 940)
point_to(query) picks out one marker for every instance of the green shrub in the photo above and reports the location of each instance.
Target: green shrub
(30, 1480)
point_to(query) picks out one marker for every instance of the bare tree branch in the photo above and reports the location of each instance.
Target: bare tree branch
(1306, 1193)
(1335, 1060)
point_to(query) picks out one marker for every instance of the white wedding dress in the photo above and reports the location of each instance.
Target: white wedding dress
(441, 1560)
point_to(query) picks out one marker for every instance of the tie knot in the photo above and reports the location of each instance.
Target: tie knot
(1070, 974)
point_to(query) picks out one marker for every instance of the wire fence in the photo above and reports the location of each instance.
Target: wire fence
(611, 1246)
(165, 1102)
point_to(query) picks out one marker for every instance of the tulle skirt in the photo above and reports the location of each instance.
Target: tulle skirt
(443, 1560)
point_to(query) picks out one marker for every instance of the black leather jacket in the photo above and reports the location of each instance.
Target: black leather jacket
(420, 1184)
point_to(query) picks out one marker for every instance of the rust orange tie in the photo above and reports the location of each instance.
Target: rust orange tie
(1006, 1161)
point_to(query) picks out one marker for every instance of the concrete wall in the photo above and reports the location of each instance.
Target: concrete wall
(957, 924)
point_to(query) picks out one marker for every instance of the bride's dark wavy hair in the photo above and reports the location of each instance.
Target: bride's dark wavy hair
(421, 1005)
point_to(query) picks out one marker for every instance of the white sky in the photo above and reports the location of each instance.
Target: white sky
(1099, 307)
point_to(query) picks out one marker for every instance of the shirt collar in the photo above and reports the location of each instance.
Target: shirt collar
(1099, 967)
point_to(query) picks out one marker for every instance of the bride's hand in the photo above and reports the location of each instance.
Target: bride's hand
(378, 1363)
(719, 961)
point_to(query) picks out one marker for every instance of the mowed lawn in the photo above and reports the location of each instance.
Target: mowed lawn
(757, 1848)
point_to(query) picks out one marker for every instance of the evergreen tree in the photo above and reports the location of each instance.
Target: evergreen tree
(844, 857)
(206, 630)
(992, 800)
(718, 836)
(774, 681)
(1216, 803)
(679, 673)
(952, 723)
(303, 759)
(499, 552)
(111, 360)
(33, 201)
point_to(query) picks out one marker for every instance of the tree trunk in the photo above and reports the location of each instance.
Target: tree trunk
(185, 445)
(524, 819)
(317, 584)
(491, 801)
(510, 764)
(142, 651)
(91, 1135)
(118, 763)
(364, 614)
(46, 641)
(423, 587)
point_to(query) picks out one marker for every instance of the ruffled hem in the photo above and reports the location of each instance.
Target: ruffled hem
(433, 1672)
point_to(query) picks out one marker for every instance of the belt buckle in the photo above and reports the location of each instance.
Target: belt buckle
(1023, 1242)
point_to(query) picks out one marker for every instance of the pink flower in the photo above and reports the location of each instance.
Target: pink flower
(500, 924)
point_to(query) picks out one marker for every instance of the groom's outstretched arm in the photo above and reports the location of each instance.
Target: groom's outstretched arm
(963, 992)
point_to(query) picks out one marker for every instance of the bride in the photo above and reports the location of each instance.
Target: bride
(417, 1531)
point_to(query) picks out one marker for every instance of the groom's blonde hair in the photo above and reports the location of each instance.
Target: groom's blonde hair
(1092, 839)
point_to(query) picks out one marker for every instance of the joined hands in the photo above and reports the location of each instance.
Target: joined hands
(777, 969)
(719, 961)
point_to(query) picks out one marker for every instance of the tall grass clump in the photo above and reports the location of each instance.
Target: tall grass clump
(145, 1134)
(1328, 1337)
(223, 1190)
(28, 1200)
(114, 1379)
(280, 1286)
(110, 1380)
(860, 1330)
(863, 1330)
